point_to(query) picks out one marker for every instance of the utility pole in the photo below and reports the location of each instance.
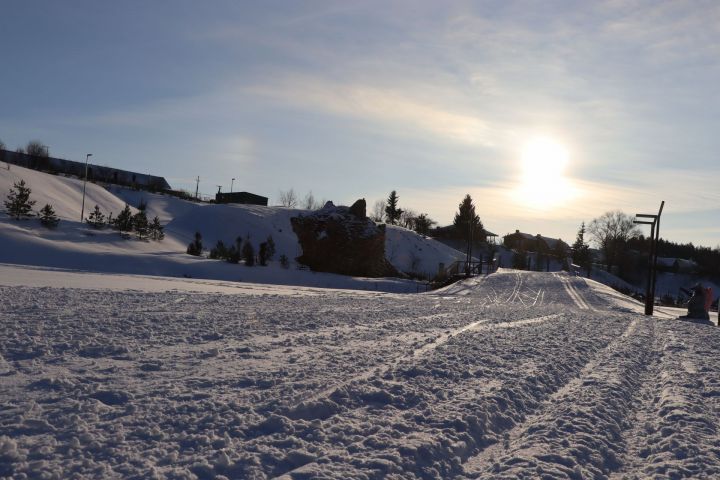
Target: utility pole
(82, 209)
(197, 186)
(231, 184)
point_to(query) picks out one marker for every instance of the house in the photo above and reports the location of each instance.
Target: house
(244, 198)
(95, 173)
(533, 243)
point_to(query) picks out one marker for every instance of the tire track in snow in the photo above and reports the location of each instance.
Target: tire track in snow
(576, 297)
(561, 439)
(379, 370)
(304, 471)
(676, 432)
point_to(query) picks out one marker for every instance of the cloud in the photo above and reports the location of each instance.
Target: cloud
(401, 109)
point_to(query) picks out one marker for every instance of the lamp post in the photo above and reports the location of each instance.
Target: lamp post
(231, 184)
(82, 209)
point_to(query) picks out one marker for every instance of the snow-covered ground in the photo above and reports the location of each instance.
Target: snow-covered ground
(513, 375)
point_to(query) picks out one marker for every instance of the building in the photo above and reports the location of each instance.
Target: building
(244, 198)
(95, 173)
(533, 243)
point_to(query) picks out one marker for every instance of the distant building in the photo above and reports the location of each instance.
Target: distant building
(244, 198)
(533, 243)
(94, 172)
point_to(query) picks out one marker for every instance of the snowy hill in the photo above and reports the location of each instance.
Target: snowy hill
(79, 247)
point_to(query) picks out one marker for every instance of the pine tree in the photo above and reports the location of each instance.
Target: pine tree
(195, 248)
(96, 218)
(392, 212)
(234, 253)
(157, 231)
(219, 251)
(140, 224)
(581, 251)
(422, 224)
(262, 253)
(467, 223)
(18, 201)
(48, 217)
(270, 247)
(284, 261)
(124, 220)
(248, 253)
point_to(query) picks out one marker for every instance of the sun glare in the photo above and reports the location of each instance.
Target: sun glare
(543, 184)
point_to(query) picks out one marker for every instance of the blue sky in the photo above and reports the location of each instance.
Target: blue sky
(354, 99)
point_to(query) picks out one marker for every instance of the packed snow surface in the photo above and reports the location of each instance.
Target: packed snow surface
(513, 375)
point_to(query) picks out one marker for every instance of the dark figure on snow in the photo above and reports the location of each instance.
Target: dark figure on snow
(696, 304)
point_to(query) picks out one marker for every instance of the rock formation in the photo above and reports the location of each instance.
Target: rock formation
(342, 240)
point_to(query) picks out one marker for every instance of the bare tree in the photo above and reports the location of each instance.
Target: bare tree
(36, 148)
(407, 219)
(611, 232)
(288, 198)
(309, 202)
(378, 211)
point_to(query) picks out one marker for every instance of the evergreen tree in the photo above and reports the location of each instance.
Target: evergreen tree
(219, 251)
(270, 247)
(423, 224)
(248, 253)
(157, 231)
(140, 224)
(234, 253)
(48, 217)
(262, 254)
(392, 212)
(284, 261)
(467, 223)
(142, 206)
(18, 201)
(195, 248)
(96, 218)
(581, 250)
(124, 220)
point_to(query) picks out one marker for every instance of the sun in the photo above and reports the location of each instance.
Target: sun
(544, 159)
(543, 183)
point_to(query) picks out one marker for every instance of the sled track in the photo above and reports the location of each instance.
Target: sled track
(379, 370)
(588, 403)
(574, 294)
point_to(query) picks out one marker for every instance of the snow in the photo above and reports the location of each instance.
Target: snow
(122, 358)
(75, 246)
(512, 375)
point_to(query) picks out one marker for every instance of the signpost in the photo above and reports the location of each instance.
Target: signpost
(652, 257)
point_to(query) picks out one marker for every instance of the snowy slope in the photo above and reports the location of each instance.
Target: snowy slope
(76, 246)
(513, 375)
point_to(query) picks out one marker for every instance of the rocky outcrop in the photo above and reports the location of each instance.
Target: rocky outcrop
(342, 240)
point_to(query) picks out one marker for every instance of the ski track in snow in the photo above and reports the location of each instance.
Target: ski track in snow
(514, 375)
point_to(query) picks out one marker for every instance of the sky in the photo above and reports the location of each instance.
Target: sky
(547, 113)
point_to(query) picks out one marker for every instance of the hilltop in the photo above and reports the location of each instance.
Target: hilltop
(77, 246)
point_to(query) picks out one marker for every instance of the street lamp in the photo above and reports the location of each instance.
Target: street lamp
(82, 209)
(231, 184)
